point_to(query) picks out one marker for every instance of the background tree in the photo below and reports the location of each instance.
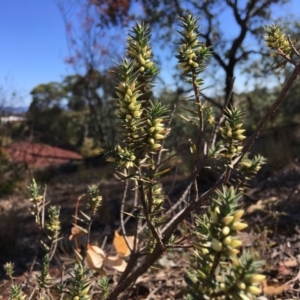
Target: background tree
(227, 26)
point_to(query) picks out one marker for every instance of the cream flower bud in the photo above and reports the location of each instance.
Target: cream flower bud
(122, 86)
(244, 297)
(141, 59)
(240, 137)
(204, 251)
(151, 141)
(238, 215)
(133, 99)
(225, 230)
(131, 106)
(227, 220)
(227, 241)
(241, 285)
(236, 243)
(257, 278)
(155, 146)
(136, 114)
(254, 290)
(239, 131)
(214, 218)
(129, 92)
(239, 226)
(159, 136)
(216, 245)
(149, 65)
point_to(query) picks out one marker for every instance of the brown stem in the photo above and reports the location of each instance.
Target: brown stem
(269, 113)
(150, 260)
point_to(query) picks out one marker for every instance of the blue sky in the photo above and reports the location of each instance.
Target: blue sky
(34, 46)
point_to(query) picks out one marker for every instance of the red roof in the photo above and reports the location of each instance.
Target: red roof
(40, 155)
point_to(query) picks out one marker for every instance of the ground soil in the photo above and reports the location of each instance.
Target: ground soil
(273, 212)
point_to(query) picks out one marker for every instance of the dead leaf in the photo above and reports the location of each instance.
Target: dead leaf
(115, 262)
(165, 262)
(274, 290)
(283, 270)
(291, 263)
(95, 257)
(121, 245)
(75, 233)
(254, 207)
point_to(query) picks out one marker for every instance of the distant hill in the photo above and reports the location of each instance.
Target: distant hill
(6, 110)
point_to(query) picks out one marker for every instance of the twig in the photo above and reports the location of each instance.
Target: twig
(292, 46)
(180, 200)
(153, 293)
(269, 113)
(43, 210)
(122, 214)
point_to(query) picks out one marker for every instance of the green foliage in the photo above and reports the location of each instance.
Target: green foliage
(11, 174)
(79, 285)
(79, 104)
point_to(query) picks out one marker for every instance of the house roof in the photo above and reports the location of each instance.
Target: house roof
(40, 155)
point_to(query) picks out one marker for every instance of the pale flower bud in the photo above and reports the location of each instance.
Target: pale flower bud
(239, 226)
(227, 220)
(216, 245)
(238, 215)
(253, 290)
(225, 230)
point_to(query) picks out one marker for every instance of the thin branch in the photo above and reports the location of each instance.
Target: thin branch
(270, 112)
(292, 46)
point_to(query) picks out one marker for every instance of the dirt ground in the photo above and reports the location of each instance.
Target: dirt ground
(273, 212)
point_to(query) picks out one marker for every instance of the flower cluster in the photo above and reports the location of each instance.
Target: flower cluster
(217, 259)
(140, 52)
(154, 126)
(232, 131)
(141, 119)
(192, 54)
(128, 106)
(53, 224)
(277, 40)
(95, 198)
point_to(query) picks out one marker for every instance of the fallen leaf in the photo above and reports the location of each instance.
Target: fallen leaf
(283, 270)
(95, 257)
(75, 233)
(291, 263)
(121, 245)
(273, 290)
(115, 262)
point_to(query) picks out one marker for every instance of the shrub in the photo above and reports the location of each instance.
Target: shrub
(219, 268)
